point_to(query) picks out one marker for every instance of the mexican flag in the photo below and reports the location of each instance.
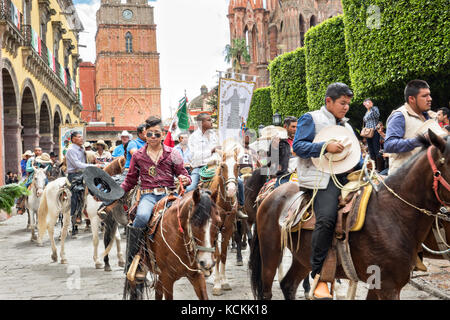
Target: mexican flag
(15, 15)
(36, 41)
(183, 122)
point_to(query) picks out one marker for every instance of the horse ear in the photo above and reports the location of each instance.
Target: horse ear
(437, 141)
(196, 195)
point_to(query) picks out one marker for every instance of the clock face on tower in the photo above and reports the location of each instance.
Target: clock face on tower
(127, 14)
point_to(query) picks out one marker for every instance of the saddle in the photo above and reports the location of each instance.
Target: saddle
(158, 210)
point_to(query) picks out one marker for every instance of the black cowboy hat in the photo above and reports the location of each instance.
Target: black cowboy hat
(102, 185)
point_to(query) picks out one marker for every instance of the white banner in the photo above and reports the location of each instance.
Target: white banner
(235, 97)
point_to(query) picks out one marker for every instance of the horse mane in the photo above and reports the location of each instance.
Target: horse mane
(216, 180)
(115, 166)
(203, 211)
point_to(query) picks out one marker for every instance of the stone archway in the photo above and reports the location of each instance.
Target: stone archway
(68, 120)
(45, 125)
(12, 147)
(57, 121)
(30, 131)
(302, 29)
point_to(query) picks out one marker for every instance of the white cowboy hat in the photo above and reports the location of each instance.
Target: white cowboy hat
(125, 133)
(434, 126)
(28, 153)
(270, 132)
(86, 144)
(343, 161)
(44, 158)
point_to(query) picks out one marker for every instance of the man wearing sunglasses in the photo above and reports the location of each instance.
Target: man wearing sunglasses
(156, 165)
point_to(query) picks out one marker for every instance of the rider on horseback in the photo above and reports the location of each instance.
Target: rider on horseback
(337, 100)
(156, 165)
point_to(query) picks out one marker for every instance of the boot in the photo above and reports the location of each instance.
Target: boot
(135, 239)
(419, 264)
(240, 213)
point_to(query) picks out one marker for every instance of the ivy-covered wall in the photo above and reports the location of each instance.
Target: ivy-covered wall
(288, 82)
(326, 59)
(390, 43)
(260, 109)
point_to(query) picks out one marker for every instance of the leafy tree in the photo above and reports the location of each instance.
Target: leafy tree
(236, 53)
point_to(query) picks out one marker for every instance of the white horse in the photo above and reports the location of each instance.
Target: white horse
(33, 200)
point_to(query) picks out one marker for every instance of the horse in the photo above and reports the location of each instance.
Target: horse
(56, 200)
(183, 245)
(395, 226)
(32, 201)
(224, 188)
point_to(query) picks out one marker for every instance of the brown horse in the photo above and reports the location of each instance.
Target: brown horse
(183, 246)
(389, 240)
(224, 188)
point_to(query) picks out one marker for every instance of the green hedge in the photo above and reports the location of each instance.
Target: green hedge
(260, 109)
(287, 79)
(326, 60)
(412, 41)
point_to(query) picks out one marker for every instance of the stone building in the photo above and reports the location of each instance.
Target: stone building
(39, 87)
(127, 82)
(273, 27)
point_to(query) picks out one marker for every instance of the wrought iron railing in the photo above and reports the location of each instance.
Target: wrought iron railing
(8, 13)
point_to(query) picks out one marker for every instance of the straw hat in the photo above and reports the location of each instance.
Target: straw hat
(125, 133)
(28, 153)
(343, 161)
(87, 144)
(44, 158)
(433, 126)
(102, 143)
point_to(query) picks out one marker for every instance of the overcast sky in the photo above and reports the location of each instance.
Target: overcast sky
(191, 38)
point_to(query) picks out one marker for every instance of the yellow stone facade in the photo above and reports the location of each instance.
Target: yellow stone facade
(38, 93)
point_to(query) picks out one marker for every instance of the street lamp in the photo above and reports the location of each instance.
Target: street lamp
(276, 119)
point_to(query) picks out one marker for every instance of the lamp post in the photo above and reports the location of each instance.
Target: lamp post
(276, 119)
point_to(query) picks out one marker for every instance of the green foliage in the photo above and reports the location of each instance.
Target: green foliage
(287, 78)
(390, 43)
(236, 53)
(9, 193)
(326, 60)
(260, 109)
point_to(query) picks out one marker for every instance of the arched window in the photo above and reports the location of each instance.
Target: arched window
(312, 21)
(302, 30)
(129, 42)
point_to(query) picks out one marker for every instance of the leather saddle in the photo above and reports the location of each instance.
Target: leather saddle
(158, 210)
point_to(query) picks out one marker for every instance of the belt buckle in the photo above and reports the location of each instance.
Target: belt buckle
(157, 192)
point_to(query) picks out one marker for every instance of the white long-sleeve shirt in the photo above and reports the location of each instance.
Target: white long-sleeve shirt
(200, 144)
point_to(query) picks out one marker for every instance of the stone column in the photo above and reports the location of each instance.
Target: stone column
(30, 138)
(46, 142)
(13, 146)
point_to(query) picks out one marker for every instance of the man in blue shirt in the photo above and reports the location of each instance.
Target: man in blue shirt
(125, 137)
(183, 148)
(136, 144)
(337, 104)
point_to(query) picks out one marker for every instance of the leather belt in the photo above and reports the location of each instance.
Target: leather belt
(156, 191)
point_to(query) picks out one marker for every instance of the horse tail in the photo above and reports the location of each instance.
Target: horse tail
(254, 265)
(42, 214)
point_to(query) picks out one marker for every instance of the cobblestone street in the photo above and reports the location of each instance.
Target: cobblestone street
(27, 272)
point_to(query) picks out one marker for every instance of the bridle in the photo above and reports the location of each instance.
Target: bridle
(437, 176)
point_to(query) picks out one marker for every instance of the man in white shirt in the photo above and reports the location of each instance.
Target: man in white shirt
(202, 144)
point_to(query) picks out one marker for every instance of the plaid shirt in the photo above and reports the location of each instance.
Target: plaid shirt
(371, 117)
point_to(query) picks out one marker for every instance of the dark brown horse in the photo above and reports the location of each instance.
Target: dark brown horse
(389, 240)
(183, 246)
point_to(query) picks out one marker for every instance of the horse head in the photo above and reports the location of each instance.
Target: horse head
(439, 160)
(229, 168)
(39, 180)
(203, 228)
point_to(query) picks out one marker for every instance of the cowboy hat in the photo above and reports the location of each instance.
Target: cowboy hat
(343, 161)
(44, 158)
(86, 144)
(102, 143)
(270, 132)
(433, 126)
(102, 185)
(125, 133)
(28, 153)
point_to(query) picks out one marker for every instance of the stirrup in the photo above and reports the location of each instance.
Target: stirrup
(314, 287)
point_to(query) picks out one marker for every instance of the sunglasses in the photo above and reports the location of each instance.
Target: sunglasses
(155, 134)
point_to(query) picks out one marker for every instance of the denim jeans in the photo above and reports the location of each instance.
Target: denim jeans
(240, 195)
(145, 209)
(195, 177)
